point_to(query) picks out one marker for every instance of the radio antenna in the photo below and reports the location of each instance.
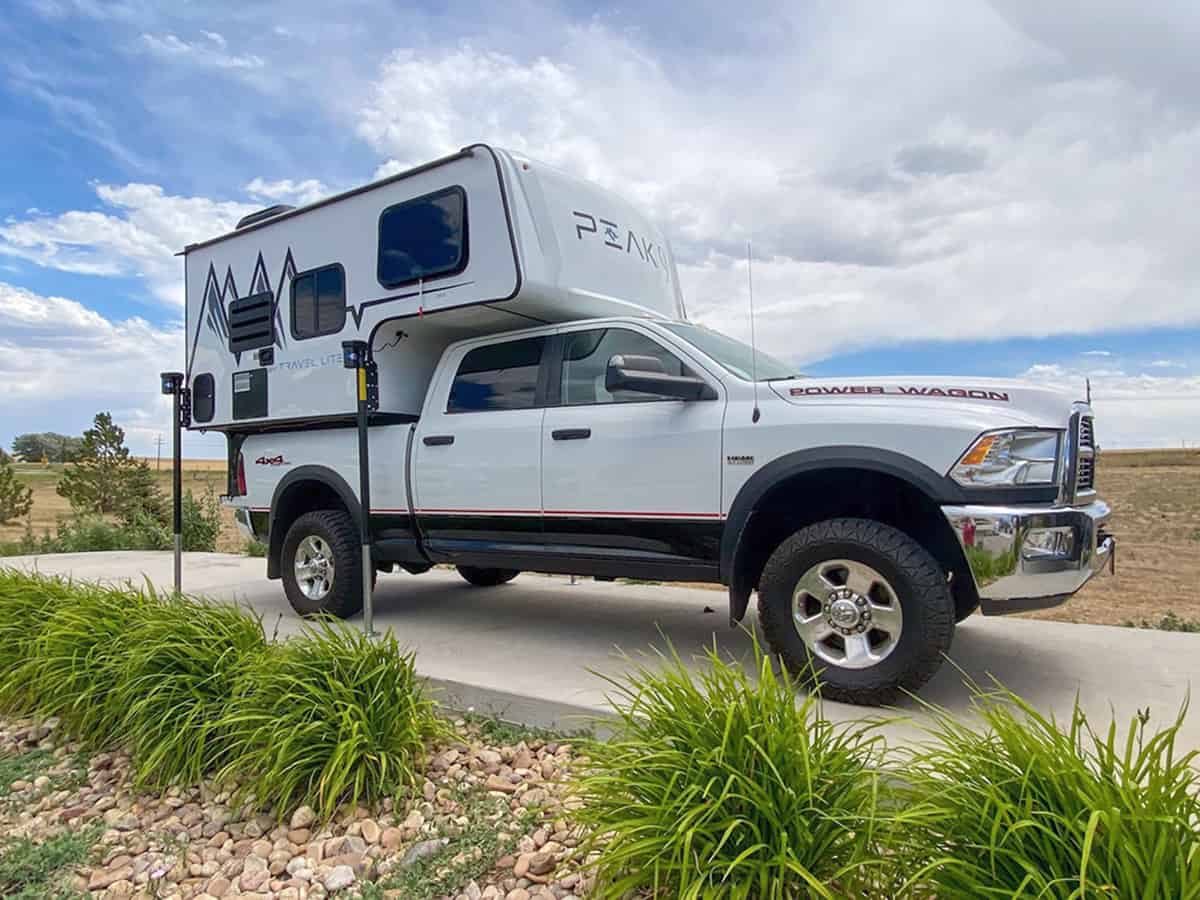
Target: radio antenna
(754, 416)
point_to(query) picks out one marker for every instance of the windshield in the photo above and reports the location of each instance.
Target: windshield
(733, 355)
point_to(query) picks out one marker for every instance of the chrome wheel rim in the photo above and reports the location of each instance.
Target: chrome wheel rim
(847, 614)
(314, 567)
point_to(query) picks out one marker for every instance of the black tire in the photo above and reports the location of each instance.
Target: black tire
(917, 582)
(337, 531)
(487, 577)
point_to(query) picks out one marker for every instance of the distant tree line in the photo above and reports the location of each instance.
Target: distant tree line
(48, 445)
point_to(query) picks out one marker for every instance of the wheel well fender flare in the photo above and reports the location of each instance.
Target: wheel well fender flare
(815, 459)
(320, 474)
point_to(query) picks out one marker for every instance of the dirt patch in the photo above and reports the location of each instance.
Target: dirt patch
(1156, 519)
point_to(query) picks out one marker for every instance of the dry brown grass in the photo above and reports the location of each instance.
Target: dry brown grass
(1155, 496)
(199, 477)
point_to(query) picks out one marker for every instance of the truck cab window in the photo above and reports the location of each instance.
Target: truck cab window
(585, 360)
(499, 376)
(423, 238)
(318, 302)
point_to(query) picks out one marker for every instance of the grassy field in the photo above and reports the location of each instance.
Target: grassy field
(199, 477)
(1155, 495)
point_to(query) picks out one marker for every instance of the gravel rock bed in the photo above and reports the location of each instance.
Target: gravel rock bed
(487, 820)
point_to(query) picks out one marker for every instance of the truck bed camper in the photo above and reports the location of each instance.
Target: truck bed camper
(480, 242)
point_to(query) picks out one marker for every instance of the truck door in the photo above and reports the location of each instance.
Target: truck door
(477, 454)
(631, 478)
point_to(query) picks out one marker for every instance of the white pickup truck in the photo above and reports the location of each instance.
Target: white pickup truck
(869, 514)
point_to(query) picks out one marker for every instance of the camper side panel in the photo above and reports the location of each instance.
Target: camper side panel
(263, 348)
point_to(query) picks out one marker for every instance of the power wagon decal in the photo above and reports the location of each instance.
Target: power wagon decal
(900, 391)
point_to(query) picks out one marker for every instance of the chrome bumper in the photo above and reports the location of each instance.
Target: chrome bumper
(1026, 558)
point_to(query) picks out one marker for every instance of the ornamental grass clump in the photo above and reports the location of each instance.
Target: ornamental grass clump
(76, 658)
(26, 602)
(182, 659)
(721, 784)
(330, 717)
(1024, 808)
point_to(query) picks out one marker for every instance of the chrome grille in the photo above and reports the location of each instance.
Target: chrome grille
(1085, 466)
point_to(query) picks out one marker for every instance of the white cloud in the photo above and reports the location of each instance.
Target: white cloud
(139, 236)
(1096, 353)
(1167, 364)
(1136, 409)
(61, 362)
(886, 201)
(210, 53)
(285, 190)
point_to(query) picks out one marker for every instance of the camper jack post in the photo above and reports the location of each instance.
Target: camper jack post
(172, 383)
(356, 356)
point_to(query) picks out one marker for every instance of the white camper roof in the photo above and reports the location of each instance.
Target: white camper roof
(480, 241)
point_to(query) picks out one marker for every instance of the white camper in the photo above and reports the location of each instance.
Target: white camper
(543, 405)
(487, 240)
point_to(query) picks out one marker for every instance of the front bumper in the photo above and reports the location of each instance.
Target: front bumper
(1025, 558)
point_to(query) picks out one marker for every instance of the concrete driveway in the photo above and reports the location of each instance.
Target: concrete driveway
(534, 650)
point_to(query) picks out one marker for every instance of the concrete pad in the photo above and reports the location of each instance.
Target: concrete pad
(536, 650)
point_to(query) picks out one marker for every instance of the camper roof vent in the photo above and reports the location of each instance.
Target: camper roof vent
(263, 214)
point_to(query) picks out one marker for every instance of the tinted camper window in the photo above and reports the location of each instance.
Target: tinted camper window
(423, 238)
(318, 302)
(502, 376)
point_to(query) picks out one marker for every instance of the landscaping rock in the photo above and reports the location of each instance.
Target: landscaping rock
(423, 850)
(339, 878)
(303, 817)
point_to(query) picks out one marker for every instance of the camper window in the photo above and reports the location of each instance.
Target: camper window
(423, 238)
(500, 376)
(318, 302)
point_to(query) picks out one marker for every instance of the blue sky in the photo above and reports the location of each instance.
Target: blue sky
(1005, 190)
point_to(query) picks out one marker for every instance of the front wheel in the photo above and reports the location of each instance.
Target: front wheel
(322, 564)
(487, 577)
(859, 607)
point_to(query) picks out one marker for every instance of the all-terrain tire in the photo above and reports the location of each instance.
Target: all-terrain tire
(919, 585)
(481, 577)
(337, 531)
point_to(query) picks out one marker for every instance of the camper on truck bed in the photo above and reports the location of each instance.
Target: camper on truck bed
(543, 404)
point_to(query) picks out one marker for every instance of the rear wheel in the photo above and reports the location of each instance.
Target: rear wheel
(322, 564)
(859, 607)
(487, 577)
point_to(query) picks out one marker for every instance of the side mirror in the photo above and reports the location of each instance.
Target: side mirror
(645, 374)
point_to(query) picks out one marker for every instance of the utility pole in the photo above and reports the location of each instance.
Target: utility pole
(158, 453)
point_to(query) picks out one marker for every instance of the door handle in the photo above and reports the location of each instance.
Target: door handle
(571, 434)
(439, 440)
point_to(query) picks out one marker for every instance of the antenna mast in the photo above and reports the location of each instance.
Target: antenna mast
(754, 416)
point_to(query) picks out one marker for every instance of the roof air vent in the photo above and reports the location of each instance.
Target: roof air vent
(263, 214)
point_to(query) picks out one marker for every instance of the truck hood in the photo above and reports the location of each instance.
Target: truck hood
(1007, 401)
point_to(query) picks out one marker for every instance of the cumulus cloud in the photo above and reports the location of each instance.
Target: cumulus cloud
(55, 347)
(138, 235)
(1133, 409)
(885, 201)
(285, 190)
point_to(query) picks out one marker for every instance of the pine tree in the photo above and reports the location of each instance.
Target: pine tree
(106, 479)
(15, 498)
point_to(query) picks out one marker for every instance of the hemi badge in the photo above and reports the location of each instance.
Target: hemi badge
(740, 460)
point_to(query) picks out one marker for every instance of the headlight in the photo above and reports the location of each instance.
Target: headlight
(1005, 458)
